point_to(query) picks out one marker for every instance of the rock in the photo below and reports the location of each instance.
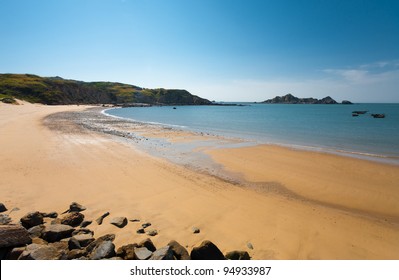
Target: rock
(40, 252)
(36, 231)
(4, 219)
(3, 208)
(140, 231)
(82, 231)
(73, 219)
(60, 245)
(37, 240)
(142, 253)
(206, 251)
(179, 251)
(195, 230)
(146, 225)
(73, 244)
(134, 220)
(32, 219)
(238, 255)
(147, 243)
(53, 233)
(52, 215)
(13, 236)
(15, 253)
(95, 243)
(76, 254)
(120, 222)
(105, 249)
(152, 232)
(126, 252)
(85, 224)
(84, 239)
(100, 219)
(75, 207)
(164, 253)
(250, 246)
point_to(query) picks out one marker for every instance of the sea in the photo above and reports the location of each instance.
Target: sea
(324, 128)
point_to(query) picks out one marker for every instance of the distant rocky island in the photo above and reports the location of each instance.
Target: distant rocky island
(290, 99)
(59, 91)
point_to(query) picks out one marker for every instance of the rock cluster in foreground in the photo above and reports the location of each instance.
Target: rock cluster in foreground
(67, 238)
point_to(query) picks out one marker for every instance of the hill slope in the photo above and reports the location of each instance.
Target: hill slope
(58, 91)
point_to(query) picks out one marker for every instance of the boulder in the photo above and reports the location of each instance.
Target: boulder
(53, 233)
(32, 219)
(4, 219)
(41, 252)
(76, 254)
(36, 231)
(142, 253)
(126, 252)
(164, 253)
(100, 219)
(84, 239)
(179, 251)
(119, 222)
(104, 250)
(3, 208)
(206, 251)
(147, 243)
(13, 236)
(73, 244)
(238, 255)
(95, 243)
(85, 224)
(37, 240)
(73, 219)
(75, 207)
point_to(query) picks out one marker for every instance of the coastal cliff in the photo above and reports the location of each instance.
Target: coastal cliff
(59, 91)
(290, 99)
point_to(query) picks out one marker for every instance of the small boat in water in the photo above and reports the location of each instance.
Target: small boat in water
(355, 115)
(378, 116)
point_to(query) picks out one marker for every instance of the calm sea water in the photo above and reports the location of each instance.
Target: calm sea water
(321, 127)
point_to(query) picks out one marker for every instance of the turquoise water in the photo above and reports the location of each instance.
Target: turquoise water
(321, 127)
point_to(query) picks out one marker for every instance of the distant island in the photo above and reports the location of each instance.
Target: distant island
(59, 91)
(290, 99)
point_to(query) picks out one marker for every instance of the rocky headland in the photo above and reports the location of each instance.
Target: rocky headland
(290, 99)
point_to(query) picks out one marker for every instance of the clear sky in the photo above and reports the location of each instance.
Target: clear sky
(231, 50)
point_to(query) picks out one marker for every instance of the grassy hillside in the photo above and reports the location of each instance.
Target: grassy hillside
(57, 91)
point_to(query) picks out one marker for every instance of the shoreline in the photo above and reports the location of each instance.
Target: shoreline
(63, 162)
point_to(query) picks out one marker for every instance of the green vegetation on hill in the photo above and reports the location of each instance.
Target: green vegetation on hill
(57, 91)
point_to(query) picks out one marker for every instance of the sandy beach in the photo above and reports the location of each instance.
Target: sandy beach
(288, 204)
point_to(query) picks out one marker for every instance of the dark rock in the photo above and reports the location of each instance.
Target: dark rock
(15, 253)
(36, 231)
(73, 244)
(4, 219)
(195, 230)
(148, 244)
(238, 255)
(13, 236)
(104, 250)
(179, 251)
(346, 102)
(146, 225)
(95, 243)
(41, 252)
(100, 219)
(53, 233)
(73, 219)
(290, 99)
(82, 231)
(52, 215)
(76, 254)
(164, 253)
(250, 246)
(135, 220)
(75, 207)
(152, 232)
(85, 224)
(4, 253)
(84, 239)
(142, 253)
(126, 252)
(206, 251)
(3, 208)
(140, 231)
(32, 219)
(120, 222)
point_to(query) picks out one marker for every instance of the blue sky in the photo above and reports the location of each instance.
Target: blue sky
(231, 50)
